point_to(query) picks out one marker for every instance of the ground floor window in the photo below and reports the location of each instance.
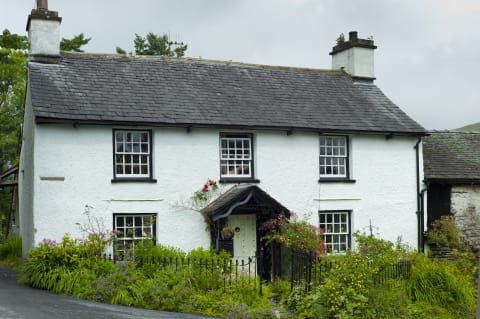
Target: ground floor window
(336, 230)
(131, 229)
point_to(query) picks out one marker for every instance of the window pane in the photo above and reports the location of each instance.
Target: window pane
(119, 221)
(121, 232)
(119, 147)
(136, 137)
(119, 136)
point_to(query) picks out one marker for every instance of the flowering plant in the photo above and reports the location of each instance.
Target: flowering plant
(204, 196)
(295, 234)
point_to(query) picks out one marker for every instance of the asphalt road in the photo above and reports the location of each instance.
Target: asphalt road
(22, 302)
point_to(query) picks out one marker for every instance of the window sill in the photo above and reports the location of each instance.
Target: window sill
(336, 180)
(238, 180)
(133, 180)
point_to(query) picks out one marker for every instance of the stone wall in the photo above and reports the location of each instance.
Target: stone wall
(465, 206)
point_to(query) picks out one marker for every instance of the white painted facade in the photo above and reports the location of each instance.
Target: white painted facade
(64, 168)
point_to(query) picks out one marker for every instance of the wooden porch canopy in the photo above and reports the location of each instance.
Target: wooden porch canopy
(5, 181)
(244, 196)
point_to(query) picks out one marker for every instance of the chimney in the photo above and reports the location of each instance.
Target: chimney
(43, 28)
(355, 56)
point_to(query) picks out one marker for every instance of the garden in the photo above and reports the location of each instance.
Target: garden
(363, 283)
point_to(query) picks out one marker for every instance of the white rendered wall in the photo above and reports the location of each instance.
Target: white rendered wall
(287, 166)
(25, 178)
(44, 36)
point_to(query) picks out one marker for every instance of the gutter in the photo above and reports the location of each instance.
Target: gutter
(289, 130)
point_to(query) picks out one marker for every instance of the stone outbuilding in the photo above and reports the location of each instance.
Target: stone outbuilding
(452, 174)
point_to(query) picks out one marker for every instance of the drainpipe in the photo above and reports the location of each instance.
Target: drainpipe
(419, 196)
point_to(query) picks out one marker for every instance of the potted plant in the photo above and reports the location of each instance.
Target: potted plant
(227, 232)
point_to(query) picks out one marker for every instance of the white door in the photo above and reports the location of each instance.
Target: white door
(245, 239)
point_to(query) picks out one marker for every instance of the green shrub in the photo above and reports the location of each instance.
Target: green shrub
(444, 232)
(349, 288)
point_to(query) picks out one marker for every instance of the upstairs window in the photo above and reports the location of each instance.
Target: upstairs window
(132, 154)
(236, 156)
(333, 156)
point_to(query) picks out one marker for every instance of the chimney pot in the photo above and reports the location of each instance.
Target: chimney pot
(42, 4)
(352, 35)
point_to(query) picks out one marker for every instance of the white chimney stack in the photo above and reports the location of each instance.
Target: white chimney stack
(355, 56)
(43, 28)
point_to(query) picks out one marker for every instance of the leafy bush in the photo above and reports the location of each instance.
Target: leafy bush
(295, 234)
(348, 289)
(444, 232)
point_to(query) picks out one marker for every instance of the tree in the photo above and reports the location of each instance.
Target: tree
(74, 44)
(154, 44)
(13, 72)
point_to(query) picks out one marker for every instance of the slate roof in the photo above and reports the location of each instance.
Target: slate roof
(156, 91)
(452, 157)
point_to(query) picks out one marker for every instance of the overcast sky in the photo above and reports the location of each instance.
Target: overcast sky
(427, 61)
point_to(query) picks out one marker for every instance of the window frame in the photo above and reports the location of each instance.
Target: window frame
(132, 177)
(337, 177)
(348, 233)
(121, 252)
(224, 178)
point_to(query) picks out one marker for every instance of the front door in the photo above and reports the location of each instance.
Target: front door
(245, 239)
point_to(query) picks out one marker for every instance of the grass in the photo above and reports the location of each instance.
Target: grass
(471, 127)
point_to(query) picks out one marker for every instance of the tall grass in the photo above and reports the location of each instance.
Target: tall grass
(11, 247)
(11, 251)
(442, 284)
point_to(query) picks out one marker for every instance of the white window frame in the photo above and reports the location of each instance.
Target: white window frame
(235, 157)
(132, 153)
(334, 157)
(131, 229)
(336, 229)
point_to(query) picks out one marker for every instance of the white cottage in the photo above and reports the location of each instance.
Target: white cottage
(135, 137)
